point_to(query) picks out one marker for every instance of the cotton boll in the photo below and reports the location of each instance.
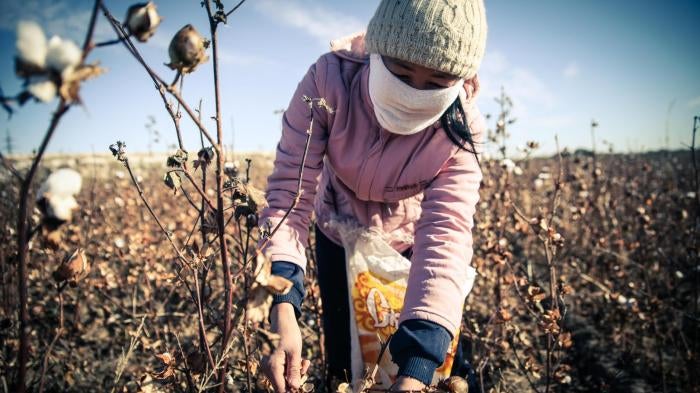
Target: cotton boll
(42, 88)
(61, 207)
(62, 182)
(508, 165)
(62, 54)
(142, 20)
(31, 44)
(56, 196)
(187, 50)
(517, 171)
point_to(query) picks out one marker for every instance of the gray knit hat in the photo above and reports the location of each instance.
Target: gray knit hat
(445, 35)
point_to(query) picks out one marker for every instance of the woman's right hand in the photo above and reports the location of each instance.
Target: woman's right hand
(284, 366)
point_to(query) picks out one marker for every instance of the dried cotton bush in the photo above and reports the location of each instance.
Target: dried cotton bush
(151, 279)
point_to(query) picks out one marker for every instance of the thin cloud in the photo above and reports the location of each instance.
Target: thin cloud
(241, 59)
(554, 121)
(524, 87)
(319, 22)
(571, 70)
(694, 103)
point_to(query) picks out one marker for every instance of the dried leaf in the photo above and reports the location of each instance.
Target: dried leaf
(72, 78)
(278, 285)
(173, 181)
(177, 159)
(454, 384)
(259, 303)
(167, 367)
(264, 277)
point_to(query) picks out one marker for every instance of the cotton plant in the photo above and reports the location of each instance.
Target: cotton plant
(50, 67)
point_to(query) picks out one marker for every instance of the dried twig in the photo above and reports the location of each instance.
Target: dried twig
(240, 3)
(220, 219)
(160, 85)
(320, 103)
(124, 359)
(11, 168)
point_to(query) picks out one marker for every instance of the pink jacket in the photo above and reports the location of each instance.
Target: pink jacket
(420, 189)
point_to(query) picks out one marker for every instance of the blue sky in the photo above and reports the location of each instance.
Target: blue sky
(564, 62)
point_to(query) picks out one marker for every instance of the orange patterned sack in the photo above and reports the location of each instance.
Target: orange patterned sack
(377, 277)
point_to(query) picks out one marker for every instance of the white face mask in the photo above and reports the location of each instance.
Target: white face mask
(401, 108)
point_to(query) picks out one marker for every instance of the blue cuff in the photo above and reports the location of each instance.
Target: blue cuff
(418, 347)
(294, 273)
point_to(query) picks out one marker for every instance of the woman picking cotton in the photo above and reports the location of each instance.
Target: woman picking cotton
(397, 157)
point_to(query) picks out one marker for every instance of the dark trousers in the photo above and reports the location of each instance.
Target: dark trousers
(333, 283)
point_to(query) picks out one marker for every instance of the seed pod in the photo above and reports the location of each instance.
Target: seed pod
(73, 269)
(187, 50)
(142, 19)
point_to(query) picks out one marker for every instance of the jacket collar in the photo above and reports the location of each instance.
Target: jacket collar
(351, 47)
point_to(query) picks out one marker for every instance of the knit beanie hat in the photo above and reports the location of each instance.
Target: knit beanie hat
(444, 35)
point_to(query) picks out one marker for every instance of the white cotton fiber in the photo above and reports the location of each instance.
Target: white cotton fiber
(31, 43)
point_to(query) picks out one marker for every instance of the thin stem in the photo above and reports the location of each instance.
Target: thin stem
(205, 268)
(178, 115)
(240, 3)
(189, 177)
(167, 233)
(6, 101)
(189, 200)
(246, 285)
(202, 328)
(220, 219)
(87, 42)
(108, 43)
(23, 251)
(297, 196)
(549, 253)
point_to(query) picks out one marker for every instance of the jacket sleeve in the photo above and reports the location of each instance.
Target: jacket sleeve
(296, 294)
(441, 274)
(419, 347)
(290, 240)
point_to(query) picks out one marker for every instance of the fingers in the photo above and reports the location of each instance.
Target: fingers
(293, 372)
(305, 366)
(273, 366)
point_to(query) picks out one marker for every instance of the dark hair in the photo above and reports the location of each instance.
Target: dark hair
(454, 122)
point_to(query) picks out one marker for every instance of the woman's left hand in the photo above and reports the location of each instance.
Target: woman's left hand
(406, 383)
